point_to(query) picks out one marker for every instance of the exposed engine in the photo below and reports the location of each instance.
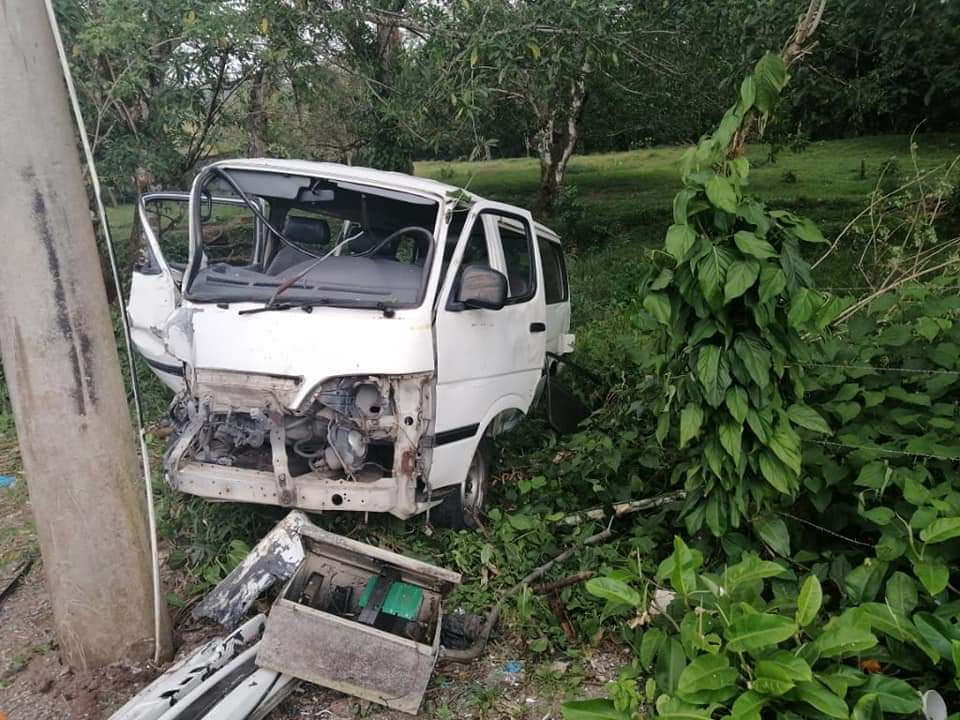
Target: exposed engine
(350, 425)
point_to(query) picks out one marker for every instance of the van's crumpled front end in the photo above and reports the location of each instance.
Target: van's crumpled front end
(356, 443)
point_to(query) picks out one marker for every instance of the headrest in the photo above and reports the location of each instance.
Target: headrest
(307, 231)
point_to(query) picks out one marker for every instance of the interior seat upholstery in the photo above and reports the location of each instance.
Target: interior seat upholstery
(312, 232)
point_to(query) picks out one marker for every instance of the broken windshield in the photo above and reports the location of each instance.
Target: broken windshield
(380, 243)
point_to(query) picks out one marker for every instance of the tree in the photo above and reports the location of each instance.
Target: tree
(158, 81)
(543, 58)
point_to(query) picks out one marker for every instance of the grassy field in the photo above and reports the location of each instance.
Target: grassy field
(829, 180)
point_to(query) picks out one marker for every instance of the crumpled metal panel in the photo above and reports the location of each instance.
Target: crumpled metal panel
(274, 559)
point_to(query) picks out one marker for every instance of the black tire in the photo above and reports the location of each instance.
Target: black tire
(464, 504)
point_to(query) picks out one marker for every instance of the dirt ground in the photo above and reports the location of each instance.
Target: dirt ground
(35, 684)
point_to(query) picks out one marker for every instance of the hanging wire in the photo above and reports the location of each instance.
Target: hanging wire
(877, 368)
(888, 451)
(135, 385)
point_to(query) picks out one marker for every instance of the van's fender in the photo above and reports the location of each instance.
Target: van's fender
(451, 457)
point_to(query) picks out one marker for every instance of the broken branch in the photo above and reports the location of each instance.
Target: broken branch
(620, 509)
(551, 587)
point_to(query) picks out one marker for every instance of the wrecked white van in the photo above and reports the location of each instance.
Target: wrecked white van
(342, 338)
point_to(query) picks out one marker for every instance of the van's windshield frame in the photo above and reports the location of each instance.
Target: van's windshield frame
(382, 281)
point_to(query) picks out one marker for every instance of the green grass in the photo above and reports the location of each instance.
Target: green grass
(634, 189)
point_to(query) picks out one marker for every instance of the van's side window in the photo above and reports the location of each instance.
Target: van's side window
(554, 272)
(521, 278)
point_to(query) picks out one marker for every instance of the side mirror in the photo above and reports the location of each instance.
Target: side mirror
(482, 288)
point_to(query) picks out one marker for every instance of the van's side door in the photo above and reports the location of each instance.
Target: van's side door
(163, 228)
(556, 292)
(488, 361)
(155, 282)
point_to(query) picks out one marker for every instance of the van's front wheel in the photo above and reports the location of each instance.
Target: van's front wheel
(464, 503)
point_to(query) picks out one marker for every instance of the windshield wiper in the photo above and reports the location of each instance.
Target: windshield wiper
(307, 306)
(287, 284)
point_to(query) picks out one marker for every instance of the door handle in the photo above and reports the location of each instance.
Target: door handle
(538, 327)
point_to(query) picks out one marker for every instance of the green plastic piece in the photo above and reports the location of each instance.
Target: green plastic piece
(403, 600)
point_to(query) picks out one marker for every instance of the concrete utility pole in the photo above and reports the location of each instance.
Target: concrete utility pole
(60, 360)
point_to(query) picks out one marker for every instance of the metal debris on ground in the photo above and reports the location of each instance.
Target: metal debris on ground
(351, 617)
(359, 619)
(220, 681)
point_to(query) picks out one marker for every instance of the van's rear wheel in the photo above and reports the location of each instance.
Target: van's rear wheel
(463, 504)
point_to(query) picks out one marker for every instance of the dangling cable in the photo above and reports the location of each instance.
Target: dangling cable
(138, 406)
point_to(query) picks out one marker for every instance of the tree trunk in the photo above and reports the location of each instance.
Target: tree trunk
(142, 182)
(556, 143)
(257, 113)
(60, 360)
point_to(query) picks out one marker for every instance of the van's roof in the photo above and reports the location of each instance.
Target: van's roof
(353, 173)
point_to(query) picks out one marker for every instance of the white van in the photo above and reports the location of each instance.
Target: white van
(342, 338)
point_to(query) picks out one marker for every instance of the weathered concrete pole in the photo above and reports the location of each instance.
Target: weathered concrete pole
(61, 363)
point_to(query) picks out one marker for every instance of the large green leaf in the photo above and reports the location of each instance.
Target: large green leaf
(867, 708)
(817, 696)
(706, 679)
(775, 472)
(741, 276)
(683, 574)
(772, 282)
(680, 202)
(653, 640)
(933, 574)
(713, 374)
(737, 403)
(750, 569)
(885, 619)
(613, 590)
(712, 273)
(901, 593)
(749, 244)
(803, 306)
(863, 583)
(941, 530)
(753, 631)
(671, 661)
(769, 77)
(755, 358)
(807, 417)
(807, 231)
(658, 305)
(747, 706)
(786, 446)
(673, 708)
(730, 438)
(780, 672)
(680, 238)
(893, 694)
(809, 601)
(691, 418)
(845, 636)
(773, 531)
(596, 709)
(748, 93)
(721, 193)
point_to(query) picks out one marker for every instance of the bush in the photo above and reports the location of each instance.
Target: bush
(823, 505)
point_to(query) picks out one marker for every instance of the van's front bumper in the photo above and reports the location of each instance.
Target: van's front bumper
(306, 492)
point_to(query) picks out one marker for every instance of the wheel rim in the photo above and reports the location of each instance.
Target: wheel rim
(473, 486)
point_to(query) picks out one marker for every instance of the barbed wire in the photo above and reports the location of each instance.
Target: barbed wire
(878, 368)
(872, 448)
